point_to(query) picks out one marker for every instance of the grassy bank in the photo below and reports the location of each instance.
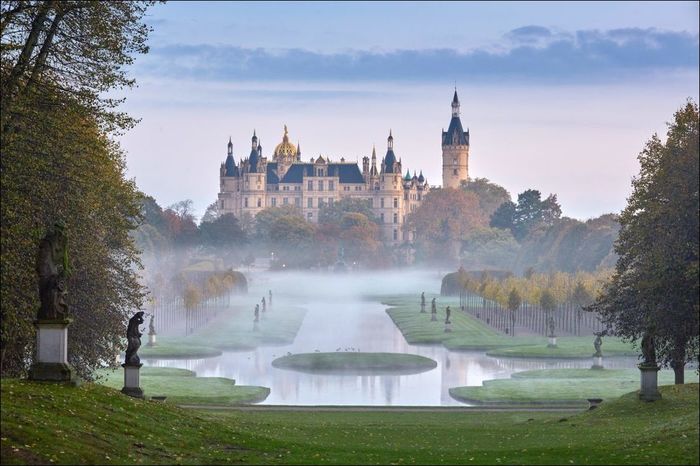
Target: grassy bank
(180, 386)
(92, 424)
(471, 334)
(353, 363)
(567, 386)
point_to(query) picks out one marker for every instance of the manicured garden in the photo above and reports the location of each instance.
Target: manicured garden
(558, 386)
(234, 330)
(93, 424)
(180, 386)
(471, 334)
(353, 363)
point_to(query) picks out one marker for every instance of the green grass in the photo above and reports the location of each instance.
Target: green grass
(174, 348)
(92, 424)
(182, 387)
(356, 362)
(471, 334)
(233, 329)
(417, 328)
(568, 386)
(567, 348)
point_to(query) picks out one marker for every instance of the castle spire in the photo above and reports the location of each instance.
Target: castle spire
(254, 141)
(455, 104)
(230, 146)
(390, 141)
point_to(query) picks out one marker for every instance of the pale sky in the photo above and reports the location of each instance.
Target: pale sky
(558, 97)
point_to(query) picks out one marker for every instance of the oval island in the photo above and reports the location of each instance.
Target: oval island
(356, 362)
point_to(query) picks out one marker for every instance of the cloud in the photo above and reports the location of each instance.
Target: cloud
(531, 53)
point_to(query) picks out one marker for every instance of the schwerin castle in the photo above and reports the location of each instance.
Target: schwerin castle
(256, 182)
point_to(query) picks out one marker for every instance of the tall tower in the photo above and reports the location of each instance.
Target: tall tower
(455, 150)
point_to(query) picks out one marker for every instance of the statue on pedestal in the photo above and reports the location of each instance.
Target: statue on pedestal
(433, 307)
(550, 324)
(53, 270)
(648, 350)
(422, 301)
(447, 315)
(133, 337)
(263, 304)
(597, 343)
(257, 313)
(151, 327)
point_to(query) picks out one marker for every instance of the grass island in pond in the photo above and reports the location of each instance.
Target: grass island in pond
(353, 363)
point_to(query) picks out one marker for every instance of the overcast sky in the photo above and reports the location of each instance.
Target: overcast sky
(558, 97)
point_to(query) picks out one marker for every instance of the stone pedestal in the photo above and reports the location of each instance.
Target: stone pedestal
(649, 390)
(448, 327)
(597, 362)
(422, 308)
(433, 317)
(51, 362)
(552, 342)
(151, 339)
(132, 380)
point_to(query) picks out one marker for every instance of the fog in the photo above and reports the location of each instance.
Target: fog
(344, 313)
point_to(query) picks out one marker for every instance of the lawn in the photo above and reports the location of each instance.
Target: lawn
(354, 363)
(552, 386)
(471, 334)
(92, 424)
(180, 386)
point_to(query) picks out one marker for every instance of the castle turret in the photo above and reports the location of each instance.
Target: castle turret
(455, 150)
(230, 165)
(390, 158)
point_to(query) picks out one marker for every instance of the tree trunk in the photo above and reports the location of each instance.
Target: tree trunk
(679, 373)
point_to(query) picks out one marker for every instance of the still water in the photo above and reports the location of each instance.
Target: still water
(339, 317)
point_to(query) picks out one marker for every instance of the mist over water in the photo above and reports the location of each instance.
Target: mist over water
(344, 313)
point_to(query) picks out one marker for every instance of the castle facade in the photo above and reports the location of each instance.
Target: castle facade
(256, 182)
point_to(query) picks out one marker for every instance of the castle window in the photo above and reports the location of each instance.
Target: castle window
(259, 202)
(310, 185)
(396, 202)
(381, 202)
(381, 217)
(285, 188)
(320, 185)
(245, 202)
(285, 200)
(297, 202)
(396, 219)
(454, 172)
(405, 196)
(309, 202)
(310, 215)
(396, 235)
(331, 186)
(273, 202)
(376, 186)
(297, 188)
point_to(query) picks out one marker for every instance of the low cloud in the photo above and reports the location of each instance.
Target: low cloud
(531, 53)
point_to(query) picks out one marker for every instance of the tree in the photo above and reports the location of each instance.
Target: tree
(491, 196)
(504, 216)
(71, 48)
(222, 236)
(445, 217)
(528, 214)
(212, 212)
(334, 213)
(654, 290)
(514, 302)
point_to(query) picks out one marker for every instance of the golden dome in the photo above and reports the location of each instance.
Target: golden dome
(285, 150)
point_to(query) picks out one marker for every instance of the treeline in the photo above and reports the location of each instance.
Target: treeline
(60, 163)
(535, 288)
(171, 238)
(481, 228)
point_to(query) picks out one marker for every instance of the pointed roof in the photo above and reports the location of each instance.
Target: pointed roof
(455, 99)
(408, 176)
(390, 158)
(421, 178)
(229, 141)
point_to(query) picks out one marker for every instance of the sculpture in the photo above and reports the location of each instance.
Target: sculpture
(53, 270)
(433, 308)
(133, 337)
(447, 315)
(422, 301)
(257, 313)
(151, 327)
(550, 323)
(597, 343)
(648, 349)
(263, 304)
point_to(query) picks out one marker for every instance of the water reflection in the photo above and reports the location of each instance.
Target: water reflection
(336, 321)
